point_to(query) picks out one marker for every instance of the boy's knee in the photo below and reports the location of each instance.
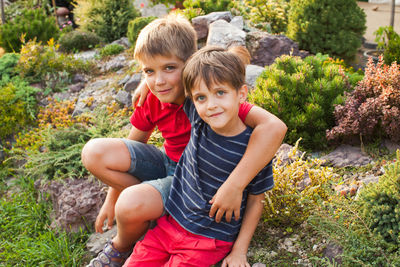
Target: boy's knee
(130, 206)
(91, 152)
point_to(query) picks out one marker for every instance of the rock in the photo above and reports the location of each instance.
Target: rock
(124, 98)
(123, 41)
(259, 264)
(201, 23)
(76, 202)
(264, 48)
(252, 73)
(391, 146)
(116, 63)
(283, 154)
(346, 155)
(147, 9)
(133, 82)
(237, 21)
(333, 252)
(370, 179)
(76, 88)
(124, 80)
(224, 34)
(62, 96)
(86, 55)
(78, 78)
(97, 241)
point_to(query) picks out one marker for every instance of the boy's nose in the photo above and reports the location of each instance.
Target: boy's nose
(160, 79)
(211, 103)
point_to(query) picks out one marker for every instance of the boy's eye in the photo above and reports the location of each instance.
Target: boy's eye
(148, 71)
(200, 98)
(220, 93)
(170, 68)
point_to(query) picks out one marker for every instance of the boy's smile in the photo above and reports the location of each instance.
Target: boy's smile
(218, 106)
(163, 77)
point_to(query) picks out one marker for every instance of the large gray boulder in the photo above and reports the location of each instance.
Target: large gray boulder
(224, 34)
(264, 48)
(201, 23)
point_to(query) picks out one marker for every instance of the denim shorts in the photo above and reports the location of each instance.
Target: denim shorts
(151, 166)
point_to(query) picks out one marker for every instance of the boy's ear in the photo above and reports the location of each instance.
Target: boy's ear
(243, 93)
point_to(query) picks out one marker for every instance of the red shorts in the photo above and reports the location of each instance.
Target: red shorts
(168, 244)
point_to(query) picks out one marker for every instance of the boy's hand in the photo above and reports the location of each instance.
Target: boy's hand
(140, 94)
(226, 201)
(235, 260)
(106, 212)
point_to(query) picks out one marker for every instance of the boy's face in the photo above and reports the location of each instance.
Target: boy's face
(219, 105)
(163, 77)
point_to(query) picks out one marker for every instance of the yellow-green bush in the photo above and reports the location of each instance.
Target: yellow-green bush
(17, 106)
(292, 198)
(38, 62)
(381, 203)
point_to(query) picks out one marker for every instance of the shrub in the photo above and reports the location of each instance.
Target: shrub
(135, 26)
(17, 106)
(389, 41)
(373, 109)
(208, 6)
(43, 64)
(78, 41)
(7, 64)
(380, 203)
(267, 15)
(107, 18)
(294, 196)
(111, 49)
(31, 24)
(325, 26)
(302, 94)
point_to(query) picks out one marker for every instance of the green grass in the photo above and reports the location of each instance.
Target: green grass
(25, 236)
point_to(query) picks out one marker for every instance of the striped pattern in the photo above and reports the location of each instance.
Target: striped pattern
(205, 164)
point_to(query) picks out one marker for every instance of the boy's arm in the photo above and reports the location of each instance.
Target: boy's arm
(265, 140)
(238, 255)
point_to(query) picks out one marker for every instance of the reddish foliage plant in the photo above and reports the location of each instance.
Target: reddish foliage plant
(372, 109)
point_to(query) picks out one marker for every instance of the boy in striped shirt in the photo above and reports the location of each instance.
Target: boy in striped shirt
(214, 81)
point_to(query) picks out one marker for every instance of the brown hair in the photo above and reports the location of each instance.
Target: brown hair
(172, 35)
(214, 64)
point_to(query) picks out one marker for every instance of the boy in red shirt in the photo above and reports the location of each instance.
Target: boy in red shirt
(140, 175)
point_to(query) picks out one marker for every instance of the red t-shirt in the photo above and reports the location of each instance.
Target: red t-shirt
(172, 122)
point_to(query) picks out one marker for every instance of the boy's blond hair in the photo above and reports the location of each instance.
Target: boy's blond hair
(169, 36)
(214, 64)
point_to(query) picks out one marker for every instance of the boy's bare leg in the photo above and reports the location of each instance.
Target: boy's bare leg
(109, 160)
(135, 208)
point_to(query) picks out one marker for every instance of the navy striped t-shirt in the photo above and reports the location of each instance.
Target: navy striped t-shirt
(206, 163)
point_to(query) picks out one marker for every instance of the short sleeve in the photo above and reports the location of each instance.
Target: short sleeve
(263, 181)
(141, 117)
(244, 110)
